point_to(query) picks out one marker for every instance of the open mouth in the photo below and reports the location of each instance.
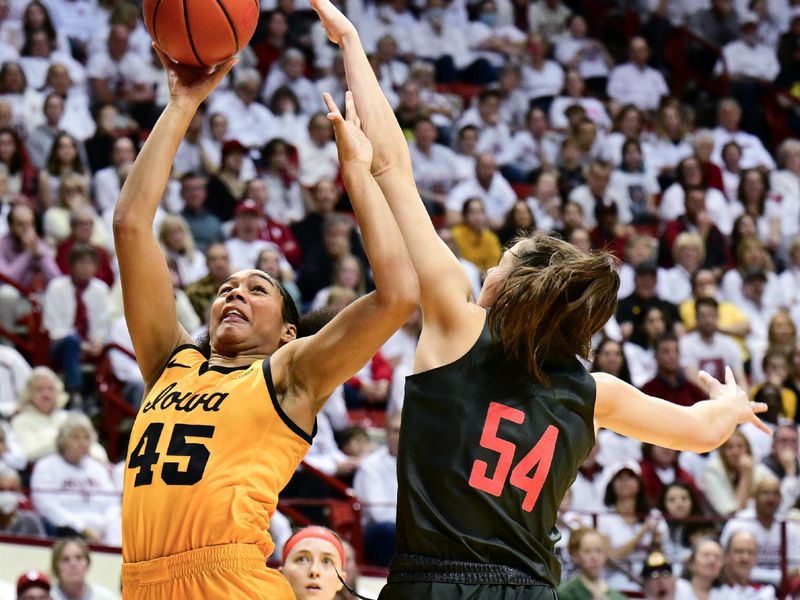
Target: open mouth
(233, 315)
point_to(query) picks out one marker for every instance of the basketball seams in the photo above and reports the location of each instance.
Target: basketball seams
(189, 33)
(230, 23)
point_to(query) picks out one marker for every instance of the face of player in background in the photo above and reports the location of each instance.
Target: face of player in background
(311, 569)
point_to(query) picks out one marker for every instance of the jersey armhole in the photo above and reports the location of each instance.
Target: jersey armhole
(279, 409)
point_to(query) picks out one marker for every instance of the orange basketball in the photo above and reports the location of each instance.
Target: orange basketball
(201, 33)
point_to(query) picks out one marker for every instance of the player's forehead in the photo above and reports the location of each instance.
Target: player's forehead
(316, 547)
(249, 275)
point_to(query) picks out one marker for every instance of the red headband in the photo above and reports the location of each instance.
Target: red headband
(317, 532)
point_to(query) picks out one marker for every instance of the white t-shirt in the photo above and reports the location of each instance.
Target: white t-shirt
(711, 357)
(644, 88)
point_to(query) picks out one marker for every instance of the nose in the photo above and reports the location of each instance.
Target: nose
(234, 294)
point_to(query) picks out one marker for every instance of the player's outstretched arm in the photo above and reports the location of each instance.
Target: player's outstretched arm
(699, 428)
(146, 285)
(444, 288)
(309, 369)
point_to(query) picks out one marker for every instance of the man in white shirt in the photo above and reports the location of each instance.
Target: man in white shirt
(494, 136)
(290, 74)
(119, 75)
(636, 83)
(75, 310)
(435, 166)
(754, 154)
(597, 191)
(442, 41)
(108, 181)
(533, 147)
(748, 58)
(708, 350)
(319, 160)
(249, 122)
(741, 554)
(490, 186)
(542, 79)
(375, 485)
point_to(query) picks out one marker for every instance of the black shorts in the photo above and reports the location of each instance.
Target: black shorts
(418, 578)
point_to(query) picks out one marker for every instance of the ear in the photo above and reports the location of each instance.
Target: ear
(288, 334)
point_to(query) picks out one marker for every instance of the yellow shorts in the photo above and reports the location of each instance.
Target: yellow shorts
(229, 571)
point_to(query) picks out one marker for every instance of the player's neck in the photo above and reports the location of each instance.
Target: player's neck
(243, 359)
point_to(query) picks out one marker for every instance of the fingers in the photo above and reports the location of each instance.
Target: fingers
(729, 378)
(761, 425)
(350, 107)
(713, 386)
(758, 407)
(334, 114)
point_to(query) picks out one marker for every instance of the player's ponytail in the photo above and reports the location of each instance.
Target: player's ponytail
(552, 302)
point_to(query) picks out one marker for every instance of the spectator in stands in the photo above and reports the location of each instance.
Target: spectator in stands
(589, 551)
(108, 181)
(41, 413)
(202, 291)
(670, 145)
(189, 158)
(789, 280)
(640, 353)
(21, 174)
(730, 475)
(488, 185)
(186, 263)
(729, 117)
(83, 221)
(701, 578)
(291, 73)
(73, 491)
(392, 72)
(670, 383)
(706, 348)
(741, 553)
(70, 563)
(689, 254)
(317, 154)
(659, 468)
(475, 241)
(38, 52)
(629, 528)
(119, 76)
(682, 510)
(313, 560)
(75, 310)
(375, 485)
(434, 166)
(347, 273)
(675, 202)
(574, 94)
(762, 521)
(76, 119)
(244, 245)
(271, 230)
(280, 177)
(15, 520)
(638, 249)
(206, 227)
(519, 222)
(718, 24)
(732, 321)
(589, 56)
(24, 100)
(33, 585)
(750, 255)
(785, 181)
(634, 81)
(532, 149)
(249, 121)
(610, 358)
(596, 192)
(657, 577)
(73, 195)
(14, 372)
(124, 366)
(783, 461)
(635, 185)
(26, 259)
(213, 141)
(542, 79)
(226, 187)
(548, 17)
(643, 297)
(271, 261)
(494, 135)
(40, 139)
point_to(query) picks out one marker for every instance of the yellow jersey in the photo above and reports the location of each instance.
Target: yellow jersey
(210, 450)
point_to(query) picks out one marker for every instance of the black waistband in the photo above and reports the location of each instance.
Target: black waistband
(414, 568)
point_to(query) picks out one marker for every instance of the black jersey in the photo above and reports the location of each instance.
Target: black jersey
(486, 456)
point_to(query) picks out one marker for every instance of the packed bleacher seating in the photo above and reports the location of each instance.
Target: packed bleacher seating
(663, 131)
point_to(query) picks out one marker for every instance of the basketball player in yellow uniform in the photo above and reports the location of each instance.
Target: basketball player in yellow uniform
(217, 437)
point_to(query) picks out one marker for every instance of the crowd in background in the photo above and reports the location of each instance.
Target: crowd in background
(519, 116)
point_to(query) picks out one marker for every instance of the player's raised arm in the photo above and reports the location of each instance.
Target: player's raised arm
(311, 368)
(146, 285)
(444, 288)
(698, 428)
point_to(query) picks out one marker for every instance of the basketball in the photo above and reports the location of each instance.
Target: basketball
(201, 33)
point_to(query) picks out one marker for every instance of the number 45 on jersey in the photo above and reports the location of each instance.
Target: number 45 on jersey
(537, 461)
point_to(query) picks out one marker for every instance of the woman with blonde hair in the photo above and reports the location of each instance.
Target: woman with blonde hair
(589, 550)
(73, 195)
(729, 475)
(41, 414)
(186, 263)
(70, 562)
(675, 283)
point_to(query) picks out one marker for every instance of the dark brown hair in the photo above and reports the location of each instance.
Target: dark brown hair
(552, 302)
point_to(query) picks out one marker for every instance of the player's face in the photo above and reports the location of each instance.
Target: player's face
(247, 316)
(495, 278)
(311, 569)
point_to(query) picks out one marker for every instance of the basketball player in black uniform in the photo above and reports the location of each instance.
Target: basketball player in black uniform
(500, 413)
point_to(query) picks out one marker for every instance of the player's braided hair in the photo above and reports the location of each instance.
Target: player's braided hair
(552, 302)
